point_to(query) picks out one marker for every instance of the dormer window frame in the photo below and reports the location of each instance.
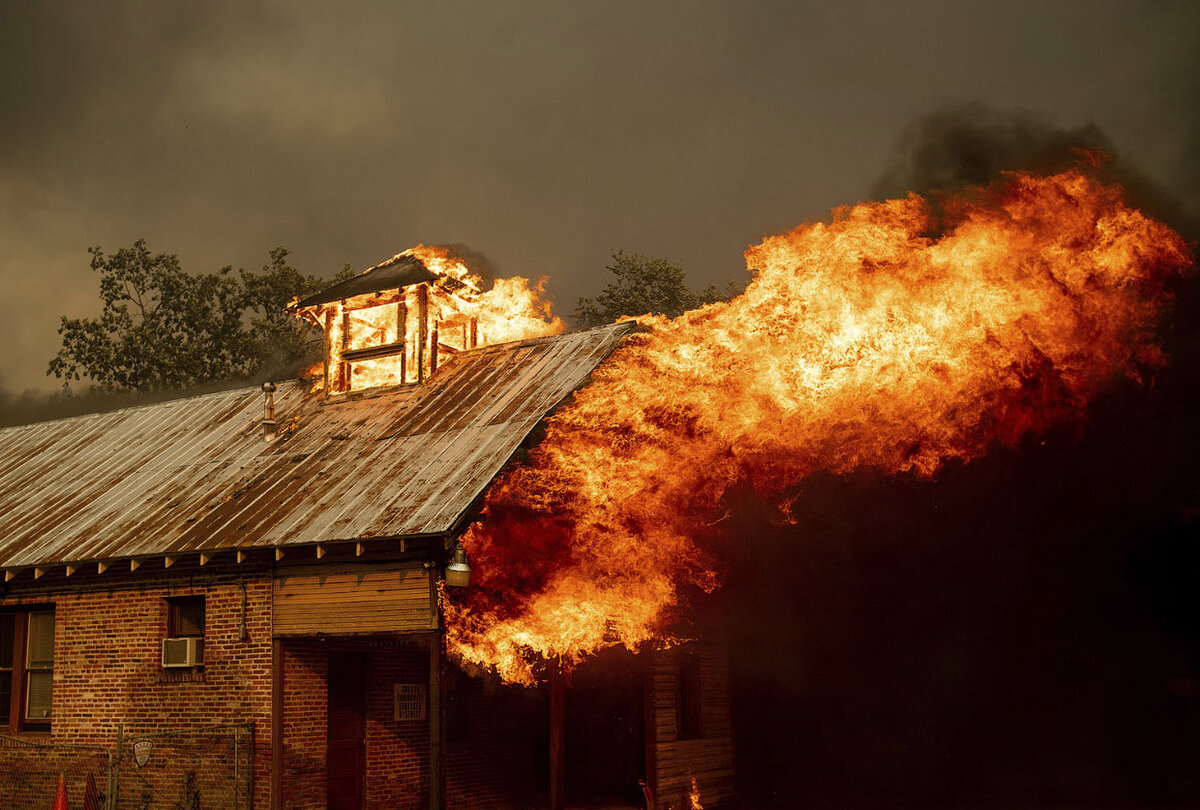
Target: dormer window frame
(339, 365)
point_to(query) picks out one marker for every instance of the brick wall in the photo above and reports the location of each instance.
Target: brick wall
(107, 671)
(305, 669)
(107, 655)
(397, 751)
(490, 745)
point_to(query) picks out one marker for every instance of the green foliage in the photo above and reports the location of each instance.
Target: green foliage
(162, 328)
(645, 284)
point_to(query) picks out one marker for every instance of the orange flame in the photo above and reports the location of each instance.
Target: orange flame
(869, 341)
(459, 315)
(694, 797)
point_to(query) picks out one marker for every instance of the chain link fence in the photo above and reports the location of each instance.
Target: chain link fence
(196, 769)
(29, 774)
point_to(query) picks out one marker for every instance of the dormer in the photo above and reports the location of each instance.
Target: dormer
(389, 326)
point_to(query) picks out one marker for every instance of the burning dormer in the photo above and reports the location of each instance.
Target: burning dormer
(392, 324)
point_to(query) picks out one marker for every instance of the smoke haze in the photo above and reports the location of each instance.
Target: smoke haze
(544, 135)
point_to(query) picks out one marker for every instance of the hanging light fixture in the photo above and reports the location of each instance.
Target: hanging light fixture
(458, 573)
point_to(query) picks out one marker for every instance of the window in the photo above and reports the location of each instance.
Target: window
(687, 700)
(185, 617)
(26, 669)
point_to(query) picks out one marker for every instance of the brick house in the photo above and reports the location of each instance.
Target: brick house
(218, 562)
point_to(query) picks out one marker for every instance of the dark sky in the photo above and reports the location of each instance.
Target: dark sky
(545, 135)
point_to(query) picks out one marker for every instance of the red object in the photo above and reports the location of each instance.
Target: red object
(60, 799)
(91, 794)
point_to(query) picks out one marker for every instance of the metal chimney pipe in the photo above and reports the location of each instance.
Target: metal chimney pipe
(268, 423)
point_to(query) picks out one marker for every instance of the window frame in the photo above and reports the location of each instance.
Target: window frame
(176, 604)
(18, 702)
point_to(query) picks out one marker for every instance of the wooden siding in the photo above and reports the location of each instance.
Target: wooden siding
(708, 758)
(348, 599)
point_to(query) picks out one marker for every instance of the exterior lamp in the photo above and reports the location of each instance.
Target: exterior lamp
(458, 573)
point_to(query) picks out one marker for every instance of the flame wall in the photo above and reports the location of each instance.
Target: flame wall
(895, 337)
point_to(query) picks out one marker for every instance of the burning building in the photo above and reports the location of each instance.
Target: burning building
(208, 562)
(237, 597)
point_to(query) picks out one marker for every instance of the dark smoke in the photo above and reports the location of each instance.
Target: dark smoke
(973, 145)
(1019, 631)
(477, 262)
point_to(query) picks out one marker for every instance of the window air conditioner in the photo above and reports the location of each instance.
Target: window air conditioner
(182, 652)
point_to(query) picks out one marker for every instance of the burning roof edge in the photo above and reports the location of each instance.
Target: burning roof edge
(402, 270)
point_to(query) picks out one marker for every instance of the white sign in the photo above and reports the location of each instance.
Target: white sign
(141, 752)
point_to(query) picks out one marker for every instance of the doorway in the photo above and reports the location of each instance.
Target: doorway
(604, 733)
(345, 741)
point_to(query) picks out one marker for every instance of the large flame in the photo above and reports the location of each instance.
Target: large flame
(869, 341)
(459, 315)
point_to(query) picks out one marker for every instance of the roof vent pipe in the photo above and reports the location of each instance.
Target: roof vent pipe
(268, 423)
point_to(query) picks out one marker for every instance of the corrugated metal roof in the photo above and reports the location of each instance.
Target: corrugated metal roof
(195, 474)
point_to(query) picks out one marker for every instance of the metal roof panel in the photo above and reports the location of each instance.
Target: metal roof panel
(196, 474)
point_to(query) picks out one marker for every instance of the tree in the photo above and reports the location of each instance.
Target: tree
(645, 284)
(163, 328)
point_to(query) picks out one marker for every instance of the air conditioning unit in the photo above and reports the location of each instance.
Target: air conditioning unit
(182, 652)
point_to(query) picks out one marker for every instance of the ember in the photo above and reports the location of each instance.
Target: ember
(892, 338)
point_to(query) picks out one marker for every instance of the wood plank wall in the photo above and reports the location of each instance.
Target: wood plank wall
(707, 757)
(348, 598)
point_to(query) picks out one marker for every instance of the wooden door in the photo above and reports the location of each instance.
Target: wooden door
(345, 753)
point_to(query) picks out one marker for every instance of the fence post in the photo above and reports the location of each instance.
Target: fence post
(114, 773)
(251, 765)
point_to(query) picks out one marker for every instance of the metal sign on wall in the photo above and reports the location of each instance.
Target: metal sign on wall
(409, 701)
(141, 752)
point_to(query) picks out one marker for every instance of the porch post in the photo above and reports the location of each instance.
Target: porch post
(437, 777)
(276, 724)
(558, 782)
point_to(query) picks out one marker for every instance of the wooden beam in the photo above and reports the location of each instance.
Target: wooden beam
(101, 567)
(344, 366)
(403, 546)
(71, 569)
(37, 572)
(134, 564)
(374, 352)
(168, 561)
(437, 726)
(359, 548)
(433, 349)
(402, 333)
(422, 328)
(241, 555)
(278, 554)
(558, 782)
(320, 551)
(9, 574)
(328, 347)
(204, 558)
(277, 724)
(650, 721)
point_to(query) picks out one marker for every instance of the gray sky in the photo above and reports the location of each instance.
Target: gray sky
(545, 135)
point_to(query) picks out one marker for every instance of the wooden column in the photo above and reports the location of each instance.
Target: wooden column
(277, 724)
(422, 328)
(650, 726)
(343, 366)
(401, 335)
(328, 345)
(558, 773)
(433, 350)
(437, 726)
